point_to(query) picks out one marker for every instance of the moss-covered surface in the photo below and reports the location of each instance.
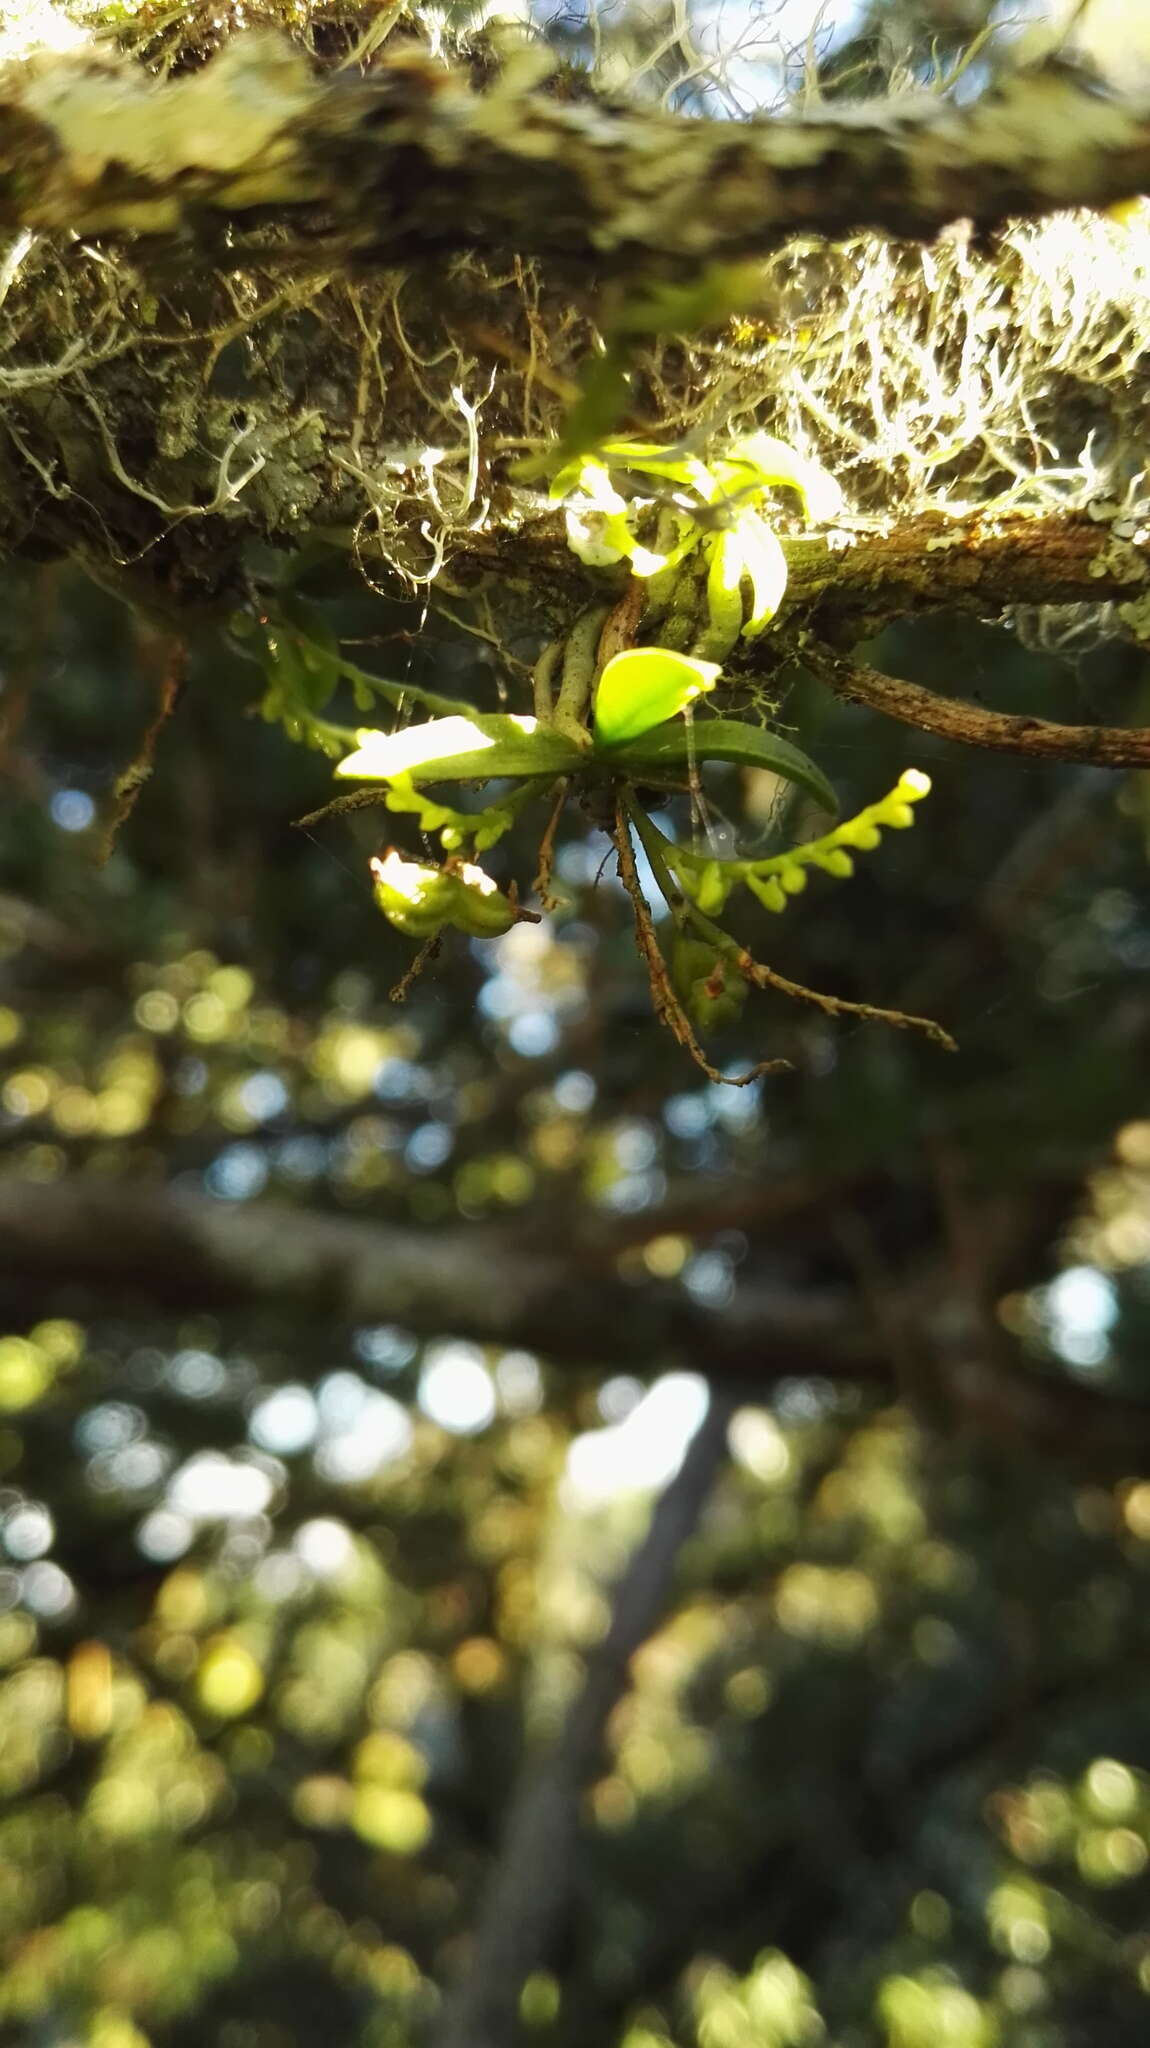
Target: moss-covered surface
(181, 394)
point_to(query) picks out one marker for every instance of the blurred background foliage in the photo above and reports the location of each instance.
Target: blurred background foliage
(285, 1599)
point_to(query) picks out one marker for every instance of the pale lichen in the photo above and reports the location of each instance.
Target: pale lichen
(1119, 560)
(1135, 616)
(158, 411)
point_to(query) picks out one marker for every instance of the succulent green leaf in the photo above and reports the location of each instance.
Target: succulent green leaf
(674, 465)
(724, 592)
(643, 687)
(671, 749)
(462, 750)
(747, 549)
(835, 862)
(712, 885)
(785, 874)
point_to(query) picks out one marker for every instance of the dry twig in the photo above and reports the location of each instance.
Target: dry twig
(1102, 746)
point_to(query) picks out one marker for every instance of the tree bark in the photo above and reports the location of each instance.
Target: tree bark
(412, 162)
(1099, 746)
(528, 1894)
(86, 1247)
(164, 1251)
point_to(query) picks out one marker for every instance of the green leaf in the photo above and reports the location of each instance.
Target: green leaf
(671, 749)
(604, 393)
(462, 750)
(308, 649)
(651, 458)
(402, 694)
(642, 687)
(724, 594)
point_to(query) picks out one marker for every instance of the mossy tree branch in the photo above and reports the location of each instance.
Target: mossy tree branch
(412, 161)
(1002, 732)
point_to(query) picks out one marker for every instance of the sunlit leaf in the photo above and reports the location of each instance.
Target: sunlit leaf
(461, 750)
(760, 460)
(642, 687)
(765, 566)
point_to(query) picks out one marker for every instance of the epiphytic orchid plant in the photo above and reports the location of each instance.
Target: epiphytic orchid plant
(611, 723)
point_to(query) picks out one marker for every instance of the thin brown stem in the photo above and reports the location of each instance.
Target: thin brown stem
(426, 954)
(542, 882)
(1103, 746)
(838, 1006)
(668, 1009)
(356, 800)
(172, 670)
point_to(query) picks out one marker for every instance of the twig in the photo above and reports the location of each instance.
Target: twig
(1104, 746)
(356, 800)
(838, 1006)
(529, 1892)
(753, 970)
(426, 954)
(542, 882)
(126, 793)
(668, 1008)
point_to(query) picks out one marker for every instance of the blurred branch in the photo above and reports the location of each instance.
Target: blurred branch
(165, 659)
(79, 1243)
(32, 925)
(1102, 746)
(410, 161)
(530, 1891)
(183, 1251)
